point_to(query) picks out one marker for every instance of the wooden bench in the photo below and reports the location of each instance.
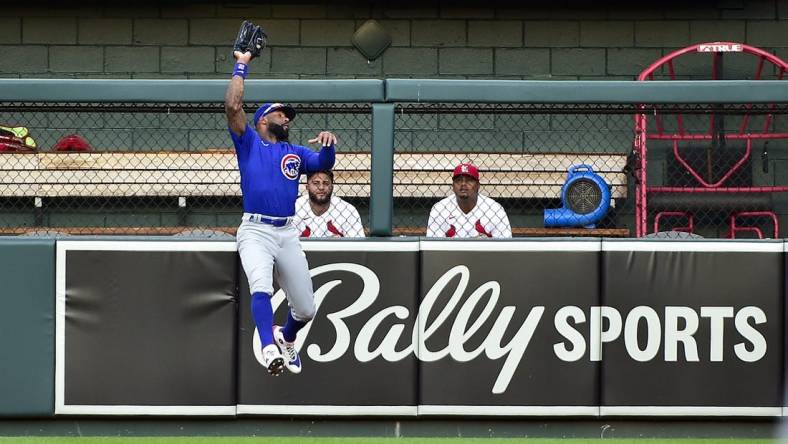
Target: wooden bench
(398, 231)
(208, 173)
(214, 173)
(535, 232)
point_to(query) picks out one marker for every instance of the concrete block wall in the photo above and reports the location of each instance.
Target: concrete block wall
(430, 39)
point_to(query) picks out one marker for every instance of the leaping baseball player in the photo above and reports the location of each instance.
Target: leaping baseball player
(270, 167)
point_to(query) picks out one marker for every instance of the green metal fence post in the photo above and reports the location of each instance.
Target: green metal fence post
(381, 194)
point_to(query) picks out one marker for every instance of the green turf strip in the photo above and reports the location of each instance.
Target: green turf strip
(305, 440)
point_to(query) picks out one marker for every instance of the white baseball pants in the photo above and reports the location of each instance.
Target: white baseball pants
(261, 247)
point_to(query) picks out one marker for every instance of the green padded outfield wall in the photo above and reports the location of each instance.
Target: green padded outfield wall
(27, 327)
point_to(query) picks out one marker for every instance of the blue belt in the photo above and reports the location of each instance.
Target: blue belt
(261, 219)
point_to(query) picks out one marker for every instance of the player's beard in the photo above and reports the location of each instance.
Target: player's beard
(319, 201)
(281, 132)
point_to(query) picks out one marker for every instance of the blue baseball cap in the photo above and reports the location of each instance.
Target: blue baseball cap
(268, 108)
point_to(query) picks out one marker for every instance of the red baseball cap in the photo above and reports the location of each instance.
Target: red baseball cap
(466, 169)
(72, 142)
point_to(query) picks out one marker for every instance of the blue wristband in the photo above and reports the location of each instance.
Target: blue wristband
(241, 69)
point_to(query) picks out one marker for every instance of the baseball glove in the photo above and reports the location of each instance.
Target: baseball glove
(16, 139)
(251, 38)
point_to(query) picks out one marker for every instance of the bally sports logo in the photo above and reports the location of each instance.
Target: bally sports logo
(291, 164)
(670, 333)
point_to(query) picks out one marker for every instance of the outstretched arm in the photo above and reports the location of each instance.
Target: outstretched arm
(233, 98)
(324, 160)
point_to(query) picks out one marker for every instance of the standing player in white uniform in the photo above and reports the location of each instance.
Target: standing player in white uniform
(321, 214)
(270, 168)
(467, 213)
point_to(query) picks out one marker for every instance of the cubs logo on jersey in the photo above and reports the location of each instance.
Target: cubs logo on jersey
(291, 164)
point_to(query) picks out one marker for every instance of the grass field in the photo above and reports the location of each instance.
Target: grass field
(306, 440)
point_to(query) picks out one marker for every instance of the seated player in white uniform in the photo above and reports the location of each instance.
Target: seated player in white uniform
(321, 214)
(467, 213)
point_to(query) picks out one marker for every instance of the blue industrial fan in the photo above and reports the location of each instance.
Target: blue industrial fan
(585, 197)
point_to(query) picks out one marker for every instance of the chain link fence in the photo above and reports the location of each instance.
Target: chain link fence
(570, 169)
(715, 170)
(147, 168)
(524, 154)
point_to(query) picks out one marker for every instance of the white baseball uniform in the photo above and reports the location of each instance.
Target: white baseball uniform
(486, 219)
(340, 220)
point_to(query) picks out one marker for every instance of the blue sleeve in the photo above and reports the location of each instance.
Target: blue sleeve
(243, 143)
(317, 162)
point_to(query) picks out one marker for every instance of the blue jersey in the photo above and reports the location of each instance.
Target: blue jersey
(270, 172)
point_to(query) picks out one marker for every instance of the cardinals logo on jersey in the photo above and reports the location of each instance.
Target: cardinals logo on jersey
(480, 229)
(333, 229)
(291, 164)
